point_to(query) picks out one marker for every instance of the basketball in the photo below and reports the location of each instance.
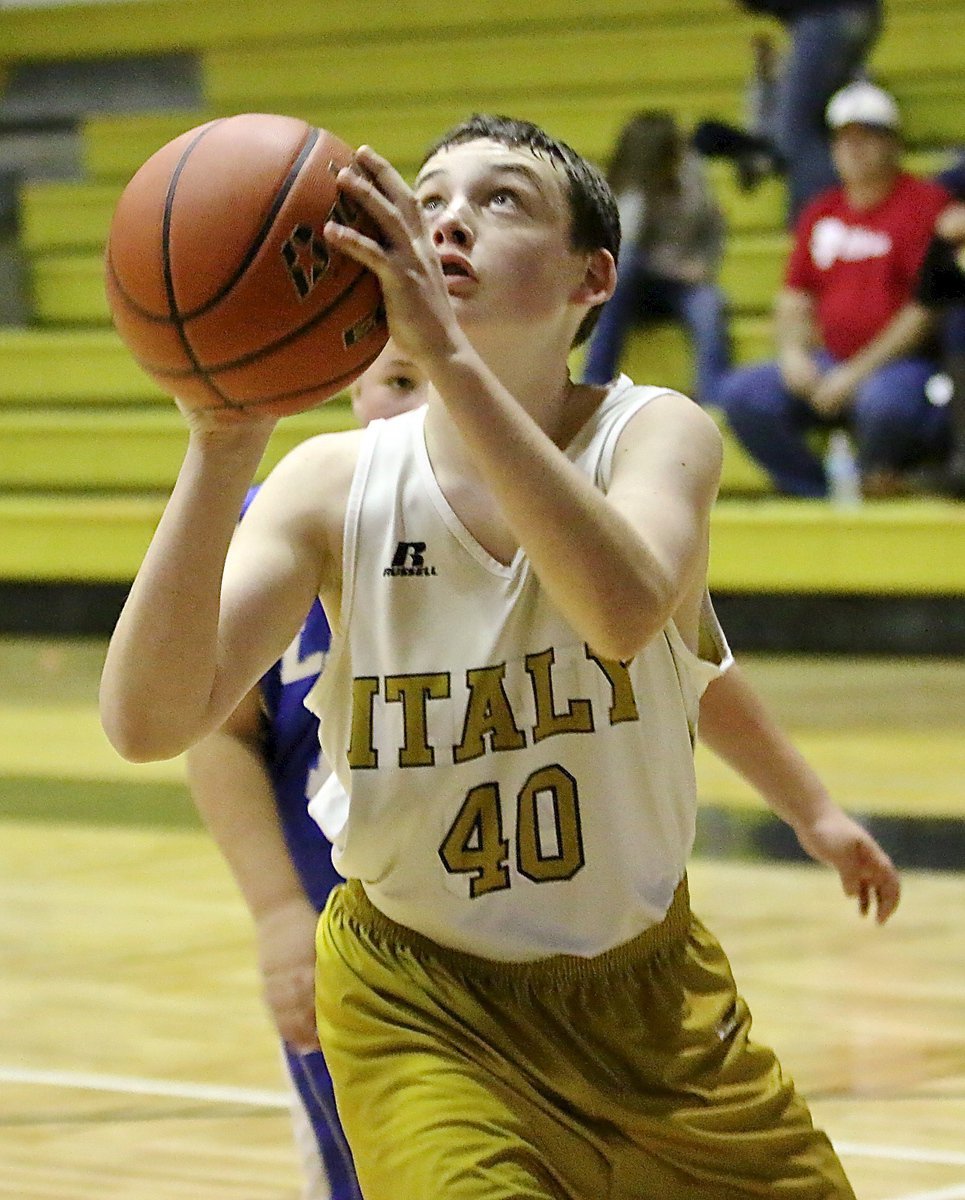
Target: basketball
(218, 277)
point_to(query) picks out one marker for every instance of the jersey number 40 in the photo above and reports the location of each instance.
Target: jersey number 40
(549, 841)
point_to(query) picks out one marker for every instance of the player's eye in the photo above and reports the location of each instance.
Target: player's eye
(503, 198)
(402, 383)
(430, 203)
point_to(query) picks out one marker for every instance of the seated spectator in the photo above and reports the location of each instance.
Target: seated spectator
(673, 234)
(849, 345)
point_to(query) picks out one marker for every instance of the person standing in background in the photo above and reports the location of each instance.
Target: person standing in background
(829, 43)
(673, 240)
(265, 763)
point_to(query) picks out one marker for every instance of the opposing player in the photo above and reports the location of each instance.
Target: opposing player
(264, 763)
(513, 995)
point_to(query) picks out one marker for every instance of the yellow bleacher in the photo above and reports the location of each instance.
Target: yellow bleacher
(90, 441)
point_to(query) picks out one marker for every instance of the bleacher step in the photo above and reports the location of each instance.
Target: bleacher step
(768, 546)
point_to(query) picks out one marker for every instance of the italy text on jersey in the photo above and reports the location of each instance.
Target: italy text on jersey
(487, 714)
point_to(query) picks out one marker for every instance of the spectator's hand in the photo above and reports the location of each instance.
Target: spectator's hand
(286, 955)
(834, 391)
(951, 223)
(800, 372)
(864, 868)
(693, 272)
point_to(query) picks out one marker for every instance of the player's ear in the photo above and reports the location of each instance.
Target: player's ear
(599, 279)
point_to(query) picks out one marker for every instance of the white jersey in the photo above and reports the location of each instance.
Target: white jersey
(498, 787)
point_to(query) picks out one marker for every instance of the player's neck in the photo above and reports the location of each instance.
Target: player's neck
(534, 372)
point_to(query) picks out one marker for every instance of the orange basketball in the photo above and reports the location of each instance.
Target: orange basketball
(218, 277)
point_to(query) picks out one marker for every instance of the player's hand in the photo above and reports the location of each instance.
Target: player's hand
(286, 955)
(834, 391)
(229, 424)
(866, 871)
(419, 310)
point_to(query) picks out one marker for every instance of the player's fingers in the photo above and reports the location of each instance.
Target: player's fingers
(887, 894)
(355, 182)
(384, 181)
(306, 1045)
(386, 178)
(887, 883)
(294, 1019)
(356, 245)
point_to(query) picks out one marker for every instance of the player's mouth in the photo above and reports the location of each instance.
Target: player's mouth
(454, 266)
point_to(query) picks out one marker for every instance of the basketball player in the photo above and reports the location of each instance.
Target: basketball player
(513, 995)
(264, 762)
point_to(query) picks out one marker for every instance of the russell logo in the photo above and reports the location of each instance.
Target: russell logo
(409, 559)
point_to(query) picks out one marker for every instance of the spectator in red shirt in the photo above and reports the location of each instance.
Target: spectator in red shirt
(850, 349)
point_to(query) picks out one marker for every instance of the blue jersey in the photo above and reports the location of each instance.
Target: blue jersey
(292, 751)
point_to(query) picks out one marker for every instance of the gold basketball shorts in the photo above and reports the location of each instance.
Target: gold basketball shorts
(624, 1076)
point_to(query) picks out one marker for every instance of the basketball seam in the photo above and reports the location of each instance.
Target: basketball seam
(266, 226)
(282, 195)
(270, 348)
(338, 381)
(176, 318)
(207, 373)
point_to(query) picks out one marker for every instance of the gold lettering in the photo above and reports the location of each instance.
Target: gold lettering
(578, 717)
(533, 861)
(475, 844)
(414, 691)
(361, 752)
(488, 713)
(623, 703)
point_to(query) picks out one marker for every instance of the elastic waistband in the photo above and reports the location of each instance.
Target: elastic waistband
(652, 943)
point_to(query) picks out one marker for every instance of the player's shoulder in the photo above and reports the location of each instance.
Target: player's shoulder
(669, 421)
(313, 479)
(334, 453)
(668, 407)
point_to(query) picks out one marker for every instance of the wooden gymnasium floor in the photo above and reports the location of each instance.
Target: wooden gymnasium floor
(136, 1062)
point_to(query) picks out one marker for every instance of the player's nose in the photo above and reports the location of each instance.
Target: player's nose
(451, 228)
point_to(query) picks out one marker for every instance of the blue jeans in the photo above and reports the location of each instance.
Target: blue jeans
(827, 49)
(953, 329)
(642, 298)
(892, 423)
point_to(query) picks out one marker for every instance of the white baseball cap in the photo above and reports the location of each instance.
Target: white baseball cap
(863, 104)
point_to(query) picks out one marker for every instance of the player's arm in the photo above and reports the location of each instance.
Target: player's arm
(233, 793)
(211, 610)
(617, 566)
(736, 724)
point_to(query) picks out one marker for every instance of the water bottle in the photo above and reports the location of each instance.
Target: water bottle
(841, 471)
